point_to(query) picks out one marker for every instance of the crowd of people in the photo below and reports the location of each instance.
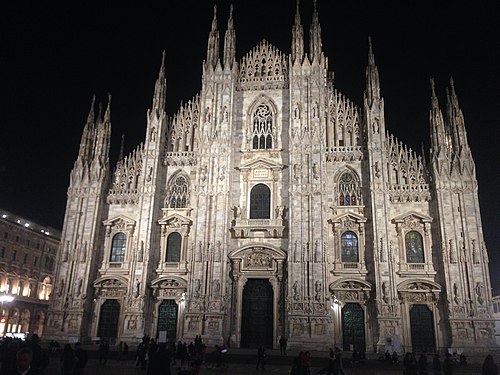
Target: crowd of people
(159, 358)
(20, 357)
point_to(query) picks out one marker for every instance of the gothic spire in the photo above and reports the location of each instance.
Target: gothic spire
(107, 113)
(297, 37)
(160, 94)
(229, 42)
(213, 43)
(102, 138)
(122, 147)
(456, 120)
(438, 134)
(88, 130)
(91, 115)
(372, 91)
(315, 37)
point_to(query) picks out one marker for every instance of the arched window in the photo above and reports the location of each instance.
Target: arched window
(262, 129)
(349, 247)
(414, 247)
(118, 247)
(174, 241)
(349, 192)
(178, 193)
(260, 202)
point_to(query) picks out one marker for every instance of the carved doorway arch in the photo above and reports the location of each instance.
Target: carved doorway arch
(264, 263)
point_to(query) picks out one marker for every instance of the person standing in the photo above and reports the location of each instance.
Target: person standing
(338, 365)
(489, 366)
(448, 365)
(436, 364)
(261, 358)
(159, 362)
(141, 355)
(125, 352)
(40, 358)
(283, 344)
(81, 359)
(24, 358)
(103, 351)
(422, 364)
(68, 360)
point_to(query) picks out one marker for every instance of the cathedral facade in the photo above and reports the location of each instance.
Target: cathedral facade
(271, 205)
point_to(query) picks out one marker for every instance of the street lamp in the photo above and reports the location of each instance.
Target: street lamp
(6, 298)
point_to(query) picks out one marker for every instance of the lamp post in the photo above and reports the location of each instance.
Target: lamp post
(3, 319)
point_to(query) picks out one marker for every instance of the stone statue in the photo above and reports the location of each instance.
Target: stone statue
(137, 288)
(295, 288)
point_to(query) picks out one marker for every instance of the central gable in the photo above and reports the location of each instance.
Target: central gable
(264, 67)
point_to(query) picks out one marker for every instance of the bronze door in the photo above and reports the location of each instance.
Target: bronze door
(167, 319)
(353, 327)
(108, 319)
(422, 329)
(257, 314)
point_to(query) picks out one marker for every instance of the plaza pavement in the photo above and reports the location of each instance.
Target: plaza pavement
(242, 362)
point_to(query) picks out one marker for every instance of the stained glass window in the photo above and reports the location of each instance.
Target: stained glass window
(262, 128)
(414, 247)
(349, 247)
(348, 190)
(118, 247)
(174, 241)
(260, 202)
(178, 192)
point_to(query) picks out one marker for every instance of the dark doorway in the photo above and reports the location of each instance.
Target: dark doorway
(422, 329)
(167, 319)
(257, 314)
(108, 320)
(353, 327)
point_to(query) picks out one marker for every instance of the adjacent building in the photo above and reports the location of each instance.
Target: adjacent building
(272, 205)
(27, 263)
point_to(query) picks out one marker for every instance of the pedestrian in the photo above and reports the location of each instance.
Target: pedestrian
(68, 360)
(40, 359)
(436, 364)
(283, 345)
(24, 358)
(338, 365)
(410, 364)
(159, 362)
(103, 351)
(448, 365)
(81, 359)
(489, 366)
(141, 355)
(125, 352)
(305, 362)
(152, 349)
(261, 358)
(422, 364)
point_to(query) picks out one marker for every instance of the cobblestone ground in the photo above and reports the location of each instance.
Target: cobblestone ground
(244, 363)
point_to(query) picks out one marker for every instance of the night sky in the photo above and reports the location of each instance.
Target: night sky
(54, 59)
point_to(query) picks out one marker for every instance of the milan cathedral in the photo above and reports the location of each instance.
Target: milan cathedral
(272, 205)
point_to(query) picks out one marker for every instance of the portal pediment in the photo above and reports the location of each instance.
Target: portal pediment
(348, 216)
(120, 219)
(412, 216)
(174, 219)
(261, 163)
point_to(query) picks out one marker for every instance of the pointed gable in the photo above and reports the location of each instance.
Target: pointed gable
(264, 67)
